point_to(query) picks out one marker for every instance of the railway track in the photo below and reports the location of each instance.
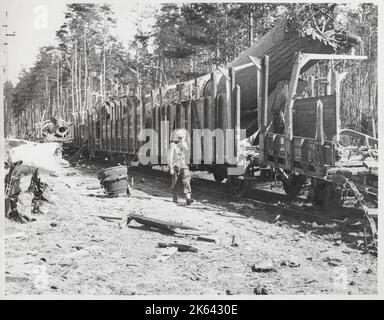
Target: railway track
(297, 212)
(257, 197)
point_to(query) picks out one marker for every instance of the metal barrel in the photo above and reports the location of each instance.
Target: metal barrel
(114, 180)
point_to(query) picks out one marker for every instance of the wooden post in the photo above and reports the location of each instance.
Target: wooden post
(329, 79)
(319, 122)
(237, 117)
(228, 96)
(265, 90)
(288, 129)
(262, 103)
(337, 87)
(319, 137)
(233, 106)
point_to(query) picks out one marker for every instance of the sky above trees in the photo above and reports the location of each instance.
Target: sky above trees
(26, 18)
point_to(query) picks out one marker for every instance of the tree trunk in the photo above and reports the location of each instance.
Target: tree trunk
(58, 88)
(79, 86)
(85, 70)
(75, 79)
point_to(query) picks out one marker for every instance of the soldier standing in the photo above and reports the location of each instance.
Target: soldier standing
(178, 167)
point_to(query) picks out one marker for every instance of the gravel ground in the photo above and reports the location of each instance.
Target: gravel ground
(69, 250)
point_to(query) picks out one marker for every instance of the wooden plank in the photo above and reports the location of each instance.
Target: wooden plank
(305, 116)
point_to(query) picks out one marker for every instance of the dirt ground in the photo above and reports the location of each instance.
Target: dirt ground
(70, 250)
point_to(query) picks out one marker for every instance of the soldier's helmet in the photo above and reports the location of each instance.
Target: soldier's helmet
(179, 134)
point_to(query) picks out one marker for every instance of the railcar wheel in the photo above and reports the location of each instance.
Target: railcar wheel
(219, 173)
(327, 195)
(218, 177)
(332, 197)
(237, 186)
(292, 186)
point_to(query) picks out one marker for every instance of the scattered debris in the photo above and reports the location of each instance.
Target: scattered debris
(333, 262)
(12, 193)
(114, 180)
(261, 290)
(132, 265)
(290, 264)
(70, 174)
(109, 217)
(65, 273)
(206, 239)
(233, 243)
(310, 281)
(221, 258)
(40, 195)
(53, 224)
(155, 223)
(180, 247)
(77, 155)
(54, 130)
(194, 276)
(15, 235)
(264, 266)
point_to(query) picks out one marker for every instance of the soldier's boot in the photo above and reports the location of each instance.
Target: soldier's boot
(189, 199)
(175, 198)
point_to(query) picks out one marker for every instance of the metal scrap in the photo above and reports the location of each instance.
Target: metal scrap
(156, 223)
(180, 247)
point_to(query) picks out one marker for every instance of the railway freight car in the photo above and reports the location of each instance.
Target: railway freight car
(291, 131)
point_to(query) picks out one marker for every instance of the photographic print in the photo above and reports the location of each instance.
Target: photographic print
(190, 149)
